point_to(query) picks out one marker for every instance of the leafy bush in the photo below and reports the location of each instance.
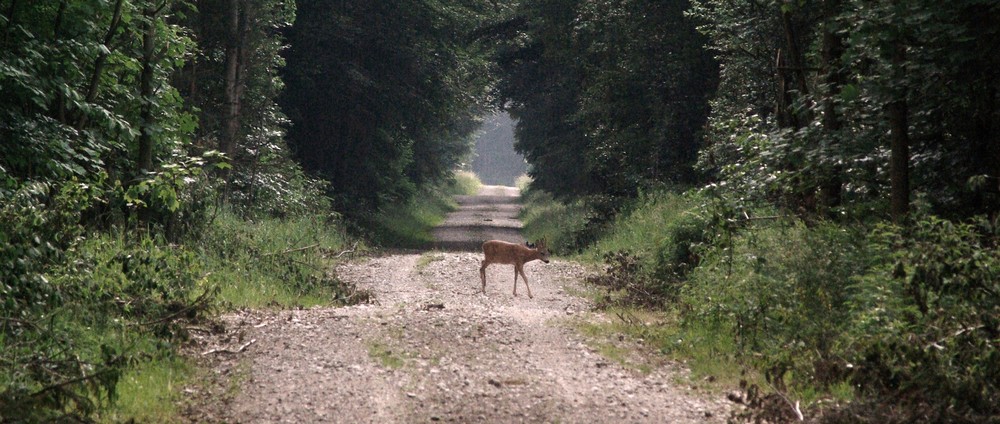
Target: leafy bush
(780, 290)
(80, 309)
(275, 186)
(927, 322)
(464, 183)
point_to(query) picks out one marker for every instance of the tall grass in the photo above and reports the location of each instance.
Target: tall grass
(409, 225)
(150, 392)
(272, 262)
(464, 183)
(557, 222)
(651, 224)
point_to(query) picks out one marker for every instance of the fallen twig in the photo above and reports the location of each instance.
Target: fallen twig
(297, 249)
(227, 350)
(351, 250)
(199, 302)
(431, 306)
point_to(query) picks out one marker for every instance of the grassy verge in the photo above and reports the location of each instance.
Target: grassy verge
(557, 222)
(264, 263)
(873, 316)
(409, 225)
(275, 262)
(151, 391)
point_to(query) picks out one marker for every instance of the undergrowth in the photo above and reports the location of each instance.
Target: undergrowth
(91, 317)
(893, 324)
(409, 225)
(273, 262)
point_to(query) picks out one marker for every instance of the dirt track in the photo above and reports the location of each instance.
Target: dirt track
(491, 215)
(435, 349)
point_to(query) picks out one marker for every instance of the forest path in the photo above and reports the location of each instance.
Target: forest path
(434, 348)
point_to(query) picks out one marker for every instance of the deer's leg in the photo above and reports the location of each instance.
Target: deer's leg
(482, 274)
(525, 278)
(515, 280)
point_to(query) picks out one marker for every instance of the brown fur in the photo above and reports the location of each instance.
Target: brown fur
(501, 252)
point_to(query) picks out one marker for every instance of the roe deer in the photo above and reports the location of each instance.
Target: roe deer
(501, 252)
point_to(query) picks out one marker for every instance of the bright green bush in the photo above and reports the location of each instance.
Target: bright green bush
(464, 183)
(561, 224)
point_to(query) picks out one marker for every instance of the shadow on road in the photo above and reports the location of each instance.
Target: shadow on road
(490, 215)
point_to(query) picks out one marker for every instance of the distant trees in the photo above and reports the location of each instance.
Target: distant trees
(382, 96)
(495, 161)
(610, 96)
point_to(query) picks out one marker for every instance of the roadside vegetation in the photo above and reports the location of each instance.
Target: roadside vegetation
(805, 190)
(831, 315)
(161, 164)
(408, 225)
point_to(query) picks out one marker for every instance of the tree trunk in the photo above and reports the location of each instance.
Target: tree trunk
(794, 53)
(58, 108)
(899, 163)
(831, 187)
(231, 99)
(11, 21)
(791, 75)
(95, 76)
(145, 160)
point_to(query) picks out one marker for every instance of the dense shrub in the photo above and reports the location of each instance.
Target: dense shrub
(780, 290)
(926, 323)
(78, 309)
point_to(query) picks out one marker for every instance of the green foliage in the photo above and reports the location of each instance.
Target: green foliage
(609, 95)
(150, 390)
(781, 291)
(114, 229)
(652, 246)
(773, 258)
(408, 225)
(263, 179)
(927, 322)
(274, 261)
(383, 96)
(79, 309)
(819, 144)
(557, 222)
(464, 183)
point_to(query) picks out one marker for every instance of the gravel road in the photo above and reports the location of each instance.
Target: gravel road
(433, 348)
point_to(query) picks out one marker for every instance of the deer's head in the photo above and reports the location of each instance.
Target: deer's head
(543, 249)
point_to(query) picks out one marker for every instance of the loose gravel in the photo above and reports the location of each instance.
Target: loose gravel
(434, 348)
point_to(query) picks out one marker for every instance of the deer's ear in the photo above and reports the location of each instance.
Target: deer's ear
(529, 244)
